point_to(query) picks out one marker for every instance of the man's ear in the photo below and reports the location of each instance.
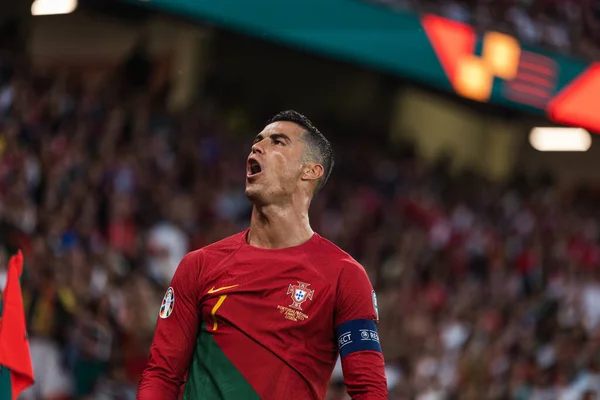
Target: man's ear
(312, 172)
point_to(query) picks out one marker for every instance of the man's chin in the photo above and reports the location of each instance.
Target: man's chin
(254, 194)
(251, 193)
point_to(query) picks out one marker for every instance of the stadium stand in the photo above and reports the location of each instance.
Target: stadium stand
(571, 26)
(486, 291)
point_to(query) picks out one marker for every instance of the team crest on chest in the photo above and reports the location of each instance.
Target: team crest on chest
(299, 294)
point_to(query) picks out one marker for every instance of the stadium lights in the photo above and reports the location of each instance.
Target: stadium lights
(560, 139)
(53, 7)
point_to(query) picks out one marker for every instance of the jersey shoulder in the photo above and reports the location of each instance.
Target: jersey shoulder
(225, 245)
(334, 257)
(355, 297)
(214, 253)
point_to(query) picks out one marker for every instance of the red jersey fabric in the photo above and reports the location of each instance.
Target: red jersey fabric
(273, 313)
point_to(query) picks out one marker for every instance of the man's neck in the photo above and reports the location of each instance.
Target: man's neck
(276, 227)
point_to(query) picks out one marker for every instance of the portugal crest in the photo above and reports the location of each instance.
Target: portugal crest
(299, 294)
(166, 308)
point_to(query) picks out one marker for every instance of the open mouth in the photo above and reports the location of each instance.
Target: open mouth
(254, 168)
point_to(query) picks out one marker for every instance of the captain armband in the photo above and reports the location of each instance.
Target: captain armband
(357, 335)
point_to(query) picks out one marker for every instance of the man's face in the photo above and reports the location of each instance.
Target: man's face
(274, 167)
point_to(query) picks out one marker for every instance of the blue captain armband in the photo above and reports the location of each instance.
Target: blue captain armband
(357, 335)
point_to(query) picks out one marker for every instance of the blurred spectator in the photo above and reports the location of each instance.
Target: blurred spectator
(167, 242)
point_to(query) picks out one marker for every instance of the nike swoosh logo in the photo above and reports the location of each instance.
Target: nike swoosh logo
(213, 290)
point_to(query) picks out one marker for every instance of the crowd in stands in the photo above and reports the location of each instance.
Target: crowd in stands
(486, 290)
(567, 26)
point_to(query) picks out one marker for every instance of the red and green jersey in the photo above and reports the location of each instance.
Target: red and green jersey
(241, 322)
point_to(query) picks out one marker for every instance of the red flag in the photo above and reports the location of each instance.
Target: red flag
(14, 345)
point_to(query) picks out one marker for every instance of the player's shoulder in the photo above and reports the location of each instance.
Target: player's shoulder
(227, 244)
(217, 250)
(327, 251)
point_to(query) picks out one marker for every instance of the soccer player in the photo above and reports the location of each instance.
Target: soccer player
(263, 314)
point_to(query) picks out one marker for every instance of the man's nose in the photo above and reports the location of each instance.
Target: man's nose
(257, 148)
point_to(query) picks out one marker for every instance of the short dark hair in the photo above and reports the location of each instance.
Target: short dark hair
(319, 148)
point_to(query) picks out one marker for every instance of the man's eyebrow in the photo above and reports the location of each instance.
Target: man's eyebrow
(281, 136)
(274, 136)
